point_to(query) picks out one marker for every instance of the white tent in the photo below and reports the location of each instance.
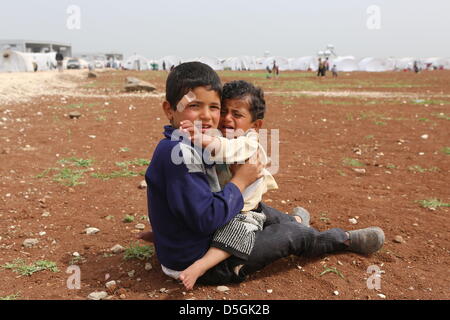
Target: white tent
(304, 63)
(405, 63)
(14, 61)
(438, 63)
(345, 64)
(137, 62)
(242, 63)
(44, 61)
(371, 64)
(212, 62)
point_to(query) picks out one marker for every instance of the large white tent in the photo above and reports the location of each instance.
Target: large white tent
(345, 64)
(44, 61)
(304, 63)
(242, 63)
(137, 62)
(14, 61)
(371, 64)
(405, 63)
(214, 63)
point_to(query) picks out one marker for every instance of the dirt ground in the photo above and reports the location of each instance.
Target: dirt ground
(59, 176)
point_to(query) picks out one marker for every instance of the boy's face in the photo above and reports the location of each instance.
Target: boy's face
(236, 115)
(202, 105)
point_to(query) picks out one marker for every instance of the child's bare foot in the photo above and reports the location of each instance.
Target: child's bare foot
(146, 236)
(191, 274)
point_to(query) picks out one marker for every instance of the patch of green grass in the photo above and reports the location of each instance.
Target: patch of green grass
(424, 119)
(391, 166)
(69, 177)
(14, 296)
(128, 219)
(418, 168)
(441, 116)
(125, 173)
(446, 150)
(77, 260)
(369, 137)
(432, 203)
(430, 102)
(124, 149)
(332, 270)
(380, 123)
(101, 118)
(341, 173)
(78, 162)
(352, 163)
(336, 102)
(349, 117)
(135, 162)
(20, 267)
(138, 252)
(323, 217)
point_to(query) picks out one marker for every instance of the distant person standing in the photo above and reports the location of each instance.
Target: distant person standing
(59, 61)
(321, 72)
(275, 69)
(164, 66)
(416, 67)
(334, 71)
(327, 65)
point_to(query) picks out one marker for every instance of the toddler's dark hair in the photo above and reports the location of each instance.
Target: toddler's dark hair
(188, 76)
(241, 89)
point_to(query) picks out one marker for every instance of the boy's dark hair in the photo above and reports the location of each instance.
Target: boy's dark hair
(241, 89)
(188, 76)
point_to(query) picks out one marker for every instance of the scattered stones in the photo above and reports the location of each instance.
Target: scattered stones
(269, 290)
(74, 115)
(122, 296)
(76, 254)
(97, 295)
(148, 266)
(142, 185)
(382, 296)
(92, 75)
(362, 171)
(222, 289)
(131, 273)
(424, 136)
(29, 243)
(111, 286)
(117, 249)
(91, 231)
(399, 239)
(42, 233)
(353, 221)
(336, 293)
(140, 226)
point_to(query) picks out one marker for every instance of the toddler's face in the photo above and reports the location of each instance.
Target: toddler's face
(235, 115)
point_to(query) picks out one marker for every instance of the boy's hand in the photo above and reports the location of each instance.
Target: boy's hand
(245, 174)
(195, 134)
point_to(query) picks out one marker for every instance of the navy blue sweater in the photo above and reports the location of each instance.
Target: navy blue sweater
(183, 210)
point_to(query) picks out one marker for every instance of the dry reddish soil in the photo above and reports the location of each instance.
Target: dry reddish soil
(375, 118)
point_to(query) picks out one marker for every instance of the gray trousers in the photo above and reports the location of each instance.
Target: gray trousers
(281, 237)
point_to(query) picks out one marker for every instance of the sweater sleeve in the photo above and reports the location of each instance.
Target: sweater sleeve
(190, 198)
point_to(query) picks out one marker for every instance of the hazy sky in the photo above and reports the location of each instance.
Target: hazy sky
(195, 28)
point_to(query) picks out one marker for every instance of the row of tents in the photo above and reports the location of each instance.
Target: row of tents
(14, 61)
(311, 63)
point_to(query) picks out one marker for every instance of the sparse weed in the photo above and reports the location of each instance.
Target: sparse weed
(432, 204)
(332, 270)
(138, 252)
(19, 266)
(352, 163)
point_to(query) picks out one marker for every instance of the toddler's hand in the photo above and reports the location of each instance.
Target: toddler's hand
(195, 134)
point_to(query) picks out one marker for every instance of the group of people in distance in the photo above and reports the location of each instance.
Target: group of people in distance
(205, 195)
(324, 66)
